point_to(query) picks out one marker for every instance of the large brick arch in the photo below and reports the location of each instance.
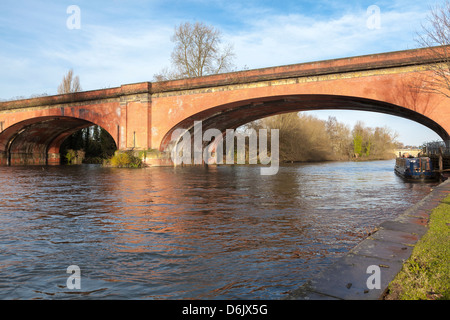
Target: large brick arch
(236, 114)
(391, 83)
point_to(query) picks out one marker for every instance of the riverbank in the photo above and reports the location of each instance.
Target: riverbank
(367, 270)
(426, 274)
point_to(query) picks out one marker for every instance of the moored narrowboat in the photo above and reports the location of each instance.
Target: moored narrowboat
(418, 168)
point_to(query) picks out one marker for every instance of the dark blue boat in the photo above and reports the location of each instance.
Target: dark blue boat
(420, 168)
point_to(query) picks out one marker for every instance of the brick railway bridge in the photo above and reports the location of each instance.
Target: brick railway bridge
(142, 116)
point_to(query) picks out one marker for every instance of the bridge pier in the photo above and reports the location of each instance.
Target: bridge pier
(22, 159)
(53, 159)
(3, 158)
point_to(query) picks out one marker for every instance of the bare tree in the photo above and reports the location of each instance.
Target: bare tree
(69, 83)
(307, 138)
(198, 52)
(436, 37)
(302, 137)
(340, 138)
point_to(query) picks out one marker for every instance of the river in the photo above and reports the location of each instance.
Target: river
(188, 232)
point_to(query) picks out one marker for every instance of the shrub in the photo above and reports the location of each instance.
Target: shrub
(75, 156)
(125, 160)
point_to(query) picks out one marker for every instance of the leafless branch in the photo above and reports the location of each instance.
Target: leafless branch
(69, 83)
(198, 52)
(436, 37)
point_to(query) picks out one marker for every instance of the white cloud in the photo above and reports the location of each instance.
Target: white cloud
(112, 52)
(296, 38)
(106, 56)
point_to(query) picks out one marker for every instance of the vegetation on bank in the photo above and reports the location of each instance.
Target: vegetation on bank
(125, 159)
(305, 138)
(426, 274)
(74, 156)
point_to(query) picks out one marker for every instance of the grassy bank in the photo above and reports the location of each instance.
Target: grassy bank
(426, 274)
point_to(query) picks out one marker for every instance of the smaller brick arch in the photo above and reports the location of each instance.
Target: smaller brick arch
(37, 141)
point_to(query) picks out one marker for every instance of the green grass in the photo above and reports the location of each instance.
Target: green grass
(426, 274)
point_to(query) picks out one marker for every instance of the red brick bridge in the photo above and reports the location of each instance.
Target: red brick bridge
(142, 116)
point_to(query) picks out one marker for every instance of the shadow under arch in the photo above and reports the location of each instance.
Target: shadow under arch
(37, 141)
(234, 115)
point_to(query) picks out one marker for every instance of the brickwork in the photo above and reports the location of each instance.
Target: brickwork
(142, 116)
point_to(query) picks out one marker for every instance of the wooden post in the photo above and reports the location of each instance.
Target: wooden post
(441, 162)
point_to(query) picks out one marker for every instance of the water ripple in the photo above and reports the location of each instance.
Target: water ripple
(186, 233)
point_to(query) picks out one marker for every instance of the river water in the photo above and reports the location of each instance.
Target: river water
(187, 232)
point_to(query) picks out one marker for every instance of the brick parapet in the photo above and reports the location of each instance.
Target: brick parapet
(396, 59)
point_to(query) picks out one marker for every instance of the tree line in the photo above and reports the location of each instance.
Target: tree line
(305, 138)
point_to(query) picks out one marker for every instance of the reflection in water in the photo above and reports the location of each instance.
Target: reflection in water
(194, 232)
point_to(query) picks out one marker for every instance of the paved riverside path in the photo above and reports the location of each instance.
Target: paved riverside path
(387, 248)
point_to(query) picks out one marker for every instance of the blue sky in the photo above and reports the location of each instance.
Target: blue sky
(123, 41)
